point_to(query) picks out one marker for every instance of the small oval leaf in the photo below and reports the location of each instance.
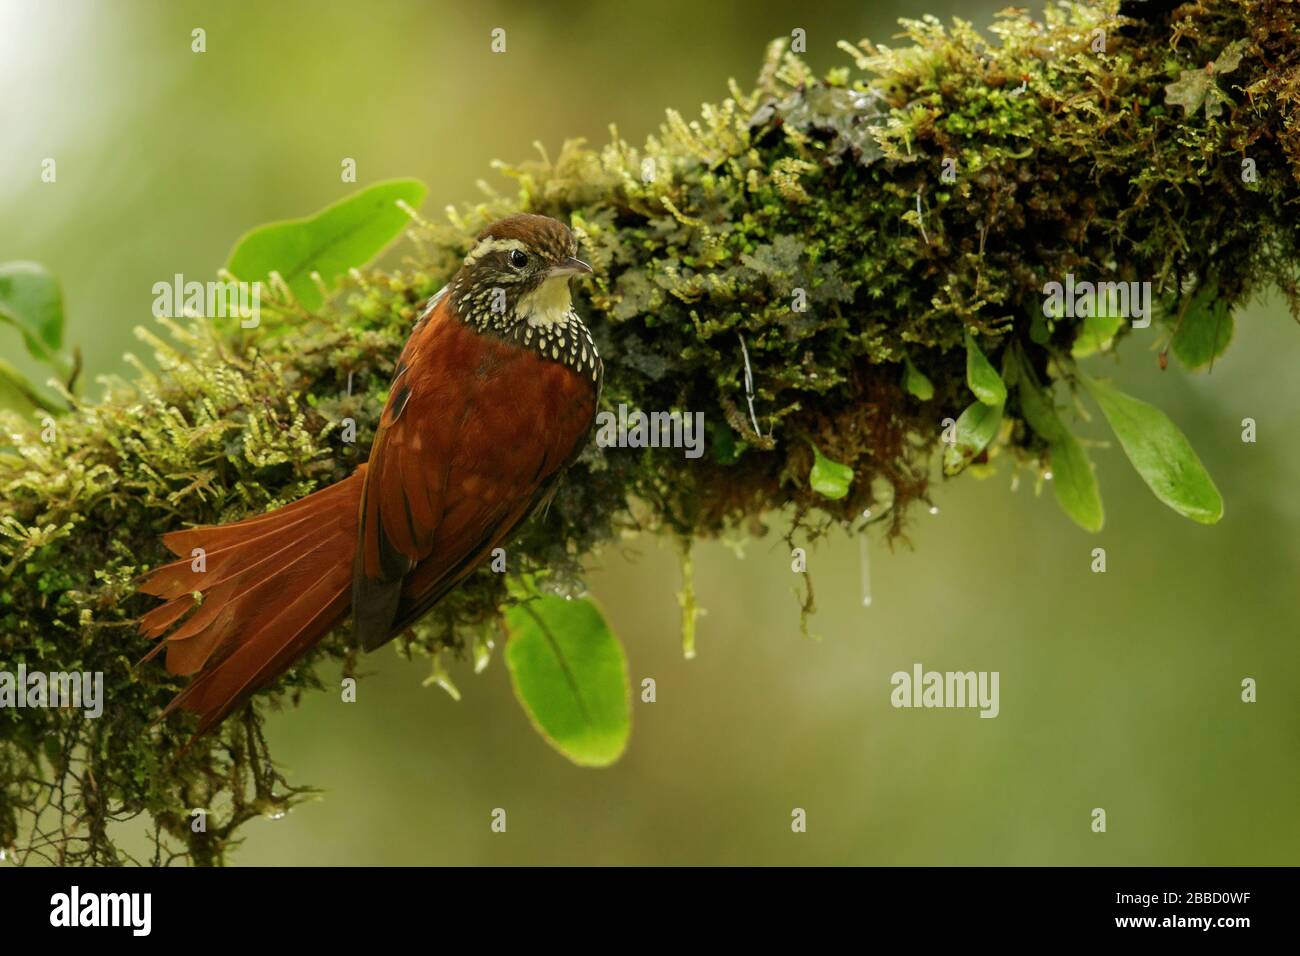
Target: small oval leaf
(915, 382)
(1205, 330)
(30, 300)
(1039, 411)
(1073, 480)
(829, 478)
(570, 675)
(1096, 334)
(340, 237)
(982, 377)
(1160, 453)
(976, 427)
(1075, 484)
(17, 393)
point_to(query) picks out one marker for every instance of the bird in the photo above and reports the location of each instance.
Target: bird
(493, 397)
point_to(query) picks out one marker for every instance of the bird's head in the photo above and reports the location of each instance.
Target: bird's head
(518, 271)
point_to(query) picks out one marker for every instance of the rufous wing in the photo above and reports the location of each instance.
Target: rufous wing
(475, 432)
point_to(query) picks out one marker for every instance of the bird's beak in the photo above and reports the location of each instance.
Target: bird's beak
(569, 267)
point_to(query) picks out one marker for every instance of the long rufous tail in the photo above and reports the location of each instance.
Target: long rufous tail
(272, 586)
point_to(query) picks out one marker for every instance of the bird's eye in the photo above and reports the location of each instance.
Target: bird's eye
(518, 259)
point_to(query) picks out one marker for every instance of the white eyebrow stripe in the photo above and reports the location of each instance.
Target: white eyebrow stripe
(493, 245)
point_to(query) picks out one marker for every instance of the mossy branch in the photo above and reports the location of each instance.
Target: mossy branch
(809, 228)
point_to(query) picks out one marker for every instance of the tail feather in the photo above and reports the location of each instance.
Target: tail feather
(176, 579)
(247, 582)
(156, 622)
(208, 640)
(213, 537)
(273, 586)
(267, 652)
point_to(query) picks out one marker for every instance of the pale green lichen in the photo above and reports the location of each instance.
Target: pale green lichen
(1066, 160)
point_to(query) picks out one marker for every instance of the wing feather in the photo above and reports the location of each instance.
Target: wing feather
(473, 432)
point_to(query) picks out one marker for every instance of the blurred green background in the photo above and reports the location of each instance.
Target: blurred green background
(1118, 690)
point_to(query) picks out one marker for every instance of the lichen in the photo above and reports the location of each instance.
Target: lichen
(805, 227)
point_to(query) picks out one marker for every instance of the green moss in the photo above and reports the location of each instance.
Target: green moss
(831, 191)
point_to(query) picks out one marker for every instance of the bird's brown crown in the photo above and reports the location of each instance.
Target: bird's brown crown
(549, 237)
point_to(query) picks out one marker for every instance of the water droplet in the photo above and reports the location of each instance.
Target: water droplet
(1047, 475)
(934, 510)
(867, 513)
(276, 815)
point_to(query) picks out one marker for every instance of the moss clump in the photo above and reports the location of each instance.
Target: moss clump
(806, 226)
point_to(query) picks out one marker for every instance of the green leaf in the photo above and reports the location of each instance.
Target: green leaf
(1075, 484)
(1073, 480)
(1206, 328)
(1230, 58)
(1037, 408)
(1189, 90)
(31, 301)
(915, 382)
(1096, 334)
(976, 427)
(1193, 88)
(569, 672)
(1160, 453)
(340, 237)
(829, 478)
(982, 377)
(16, 392)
